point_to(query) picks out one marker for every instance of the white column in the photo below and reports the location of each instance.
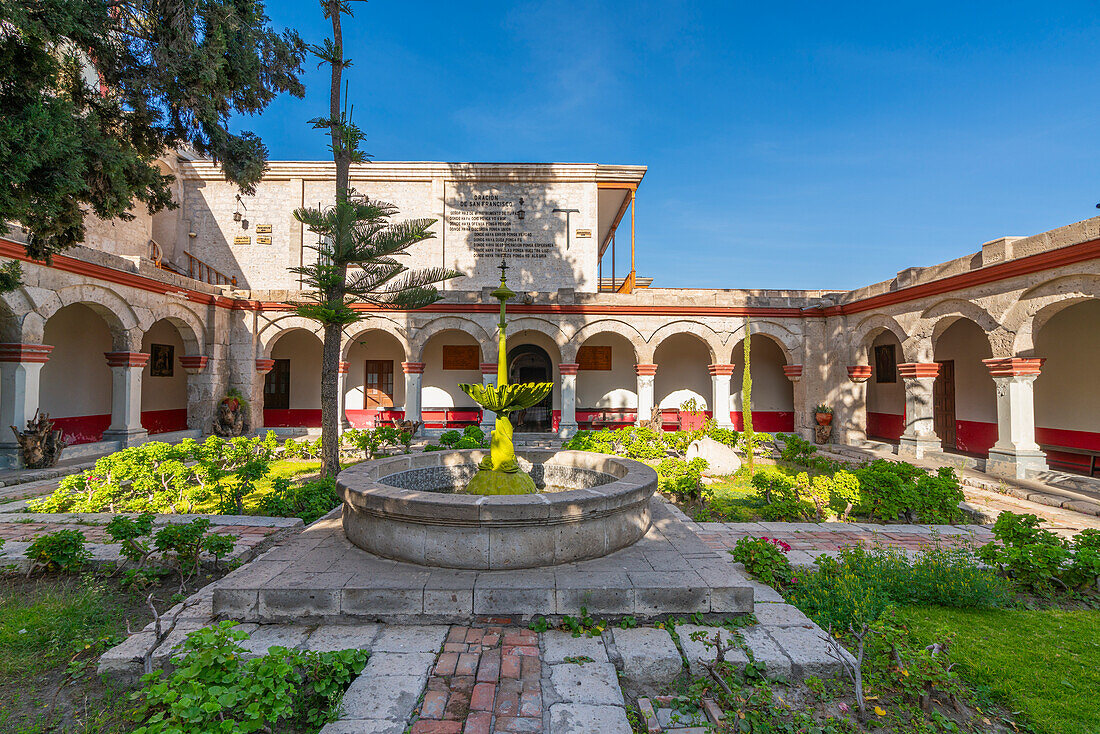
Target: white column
(568, 425)
(645, 374)
(20, 373)
(1015, 455)
(920, 430)
(488, 377)
(126, 369)
(720, 376)
(414, 372)
(341, 392)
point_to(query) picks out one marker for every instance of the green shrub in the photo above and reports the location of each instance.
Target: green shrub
(861, 582)
(796, 449)
(726, 436)
(837, 600)
(129, 532)
(59, 551)
(476, 434)
(162, 477)
(681, 479)
(893, 489)
(214, 688)
(308, 500)
(449, 438)
(765, 559)
(1039, 560)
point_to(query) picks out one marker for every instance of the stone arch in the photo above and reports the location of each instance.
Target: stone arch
(1036, 306)
(18, 320)
(936, 319)
(868, 330)
(423, 334)
(706, 334)
(385, 325)
(788, 342)
(271, 333)
(110, 306)
(642, 353)
(543, 326)
(187, 322)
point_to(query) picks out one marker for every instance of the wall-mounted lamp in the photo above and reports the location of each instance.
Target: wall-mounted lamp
(237, 216)
(520, 214)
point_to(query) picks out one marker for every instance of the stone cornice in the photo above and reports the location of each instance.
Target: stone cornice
(427, 170)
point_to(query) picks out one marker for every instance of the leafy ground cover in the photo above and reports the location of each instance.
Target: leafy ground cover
(52, 630)
(1043, 663)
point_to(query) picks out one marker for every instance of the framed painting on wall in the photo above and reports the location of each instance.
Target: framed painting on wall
(886, 363)
(162, 360)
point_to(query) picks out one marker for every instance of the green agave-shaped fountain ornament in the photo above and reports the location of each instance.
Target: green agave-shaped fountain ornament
(499, 472)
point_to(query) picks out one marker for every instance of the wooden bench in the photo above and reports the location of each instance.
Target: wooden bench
(1092, 457)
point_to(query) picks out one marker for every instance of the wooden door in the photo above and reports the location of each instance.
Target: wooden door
(943, 404)
(378, 387)
(277, 386)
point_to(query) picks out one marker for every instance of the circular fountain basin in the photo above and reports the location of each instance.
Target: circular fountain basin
(411, 508)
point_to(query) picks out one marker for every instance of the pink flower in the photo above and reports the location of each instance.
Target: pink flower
(843, 707)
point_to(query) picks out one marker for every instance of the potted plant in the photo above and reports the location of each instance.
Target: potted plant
(824, 415)
(692, 415)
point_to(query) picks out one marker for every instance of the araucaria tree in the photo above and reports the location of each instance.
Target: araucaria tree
(357, 248)
(92, 92)
(746, 402)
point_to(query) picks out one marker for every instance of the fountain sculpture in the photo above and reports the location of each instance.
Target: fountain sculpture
(499, 472)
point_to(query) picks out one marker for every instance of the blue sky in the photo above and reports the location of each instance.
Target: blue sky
(797, 145)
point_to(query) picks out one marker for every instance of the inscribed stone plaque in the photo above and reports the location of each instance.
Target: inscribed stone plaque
(594, 358)
(583, 233)
(263, 240)
(242, 240)
(461, 357)
(263, 229)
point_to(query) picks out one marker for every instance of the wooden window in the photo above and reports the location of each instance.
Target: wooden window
(886, 363)
(461, 357)
(277, 386)
(378, 387)
(594, 358)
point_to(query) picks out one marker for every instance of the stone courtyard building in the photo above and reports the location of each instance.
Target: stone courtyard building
(985, 359)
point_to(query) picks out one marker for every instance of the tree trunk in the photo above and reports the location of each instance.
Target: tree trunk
(330, 354)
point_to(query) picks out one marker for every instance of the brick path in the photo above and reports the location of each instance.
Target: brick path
(487, 680)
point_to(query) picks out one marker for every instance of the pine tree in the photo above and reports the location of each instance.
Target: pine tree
(355, 234)
(92, 92)
(746, 402)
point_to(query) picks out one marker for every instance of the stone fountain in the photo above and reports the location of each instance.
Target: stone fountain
(477, 509)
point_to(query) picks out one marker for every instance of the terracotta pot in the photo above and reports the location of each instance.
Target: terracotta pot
(823, 419)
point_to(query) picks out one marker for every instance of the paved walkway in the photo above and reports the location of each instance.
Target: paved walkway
(20, 529)
(809, 541)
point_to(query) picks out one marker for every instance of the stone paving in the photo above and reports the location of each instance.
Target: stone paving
(808, 541)
(20, 529)
(319, 576)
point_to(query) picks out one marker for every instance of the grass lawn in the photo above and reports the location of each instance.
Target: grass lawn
(1044, 664)
(53, 629)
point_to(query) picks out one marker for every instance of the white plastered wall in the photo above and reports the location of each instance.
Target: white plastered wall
(439, 387)
(163, 393)
(76, 381)
(614, 388)
(373, 345)
(682, 361)
(1067, 392)
(771, 390)
(885, 397)
(303, 349)
(975, 394)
